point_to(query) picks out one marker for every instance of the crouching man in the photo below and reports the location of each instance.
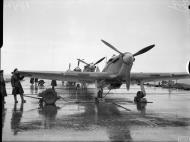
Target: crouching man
(17, 87)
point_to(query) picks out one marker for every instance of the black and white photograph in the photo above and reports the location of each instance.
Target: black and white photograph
(95, 70)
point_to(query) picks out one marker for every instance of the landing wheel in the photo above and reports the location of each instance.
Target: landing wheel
(49, 97)
(139, 98)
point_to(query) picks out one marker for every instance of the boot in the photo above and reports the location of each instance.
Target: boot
(22, 98)
(15, 98)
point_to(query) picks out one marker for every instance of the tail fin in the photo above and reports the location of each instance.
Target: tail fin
(97, 69)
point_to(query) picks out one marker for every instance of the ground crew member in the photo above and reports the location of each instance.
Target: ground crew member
(36, 81)
(41, 83)
(3, 92)
(32, 81)
(17, 87)
(53, 84)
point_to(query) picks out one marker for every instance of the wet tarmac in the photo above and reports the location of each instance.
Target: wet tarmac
(76, 117)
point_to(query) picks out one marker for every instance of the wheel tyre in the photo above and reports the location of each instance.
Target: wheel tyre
(49, 97)
(137, 99)
(140, 94)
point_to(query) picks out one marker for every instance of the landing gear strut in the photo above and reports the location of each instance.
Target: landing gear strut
(139, 98)
(100, 92)
(99, 95)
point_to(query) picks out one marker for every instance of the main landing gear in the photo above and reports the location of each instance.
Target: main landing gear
(99, 95)
(139, 98)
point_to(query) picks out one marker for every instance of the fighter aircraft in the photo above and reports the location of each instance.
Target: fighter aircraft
(116, 72)
(90, 67)
(77, 69)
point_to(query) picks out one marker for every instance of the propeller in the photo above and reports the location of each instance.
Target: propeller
(111, 46)
(136, 54)
(143, 50)
(99, 60)
(82, 61)
(128, 60)
(92, 63)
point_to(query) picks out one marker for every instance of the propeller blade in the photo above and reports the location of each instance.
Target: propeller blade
(82, 61)
(69, 66)
(128, 80)
(111, 46)
(99, 61)
(144, 50)
(78, 63)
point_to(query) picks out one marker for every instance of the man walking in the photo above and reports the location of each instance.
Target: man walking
(17, 87)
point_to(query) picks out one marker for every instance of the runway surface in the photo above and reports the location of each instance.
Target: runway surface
(117, 118)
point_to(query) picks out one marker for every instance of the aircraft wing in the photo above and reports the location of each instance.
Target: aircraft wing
(68, 76)
(147, 77)
(93, 76)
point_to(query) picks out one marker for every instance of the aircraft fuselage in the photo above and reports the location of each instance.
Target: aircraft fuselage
(121, 69)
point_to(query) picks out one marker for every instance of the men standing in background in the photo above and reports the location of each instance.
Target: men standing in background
(17, 87)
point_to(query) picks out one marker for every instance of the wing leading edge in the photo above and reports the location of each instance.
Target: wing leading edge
(93, 76)
(69, 76)
(147, 77)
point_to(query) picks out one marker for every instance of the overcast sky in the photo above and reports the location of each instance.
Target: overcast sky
(50, 34)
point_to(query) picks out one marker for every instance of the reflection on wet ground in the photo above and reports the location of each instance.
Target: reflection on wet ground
(16, 118)
(166, 119)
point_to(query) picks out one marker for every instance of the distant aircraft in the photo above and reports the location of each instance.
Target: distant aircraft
(116, 72)
(69, 68)
(77, 69)
(72, 83)
(90, 67)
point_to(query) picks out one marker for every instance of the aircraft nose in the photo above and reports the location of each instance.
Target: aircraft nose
(128, 58)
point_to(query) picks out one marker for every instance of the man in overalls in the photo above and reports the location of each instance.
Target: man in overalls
(17, 87)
